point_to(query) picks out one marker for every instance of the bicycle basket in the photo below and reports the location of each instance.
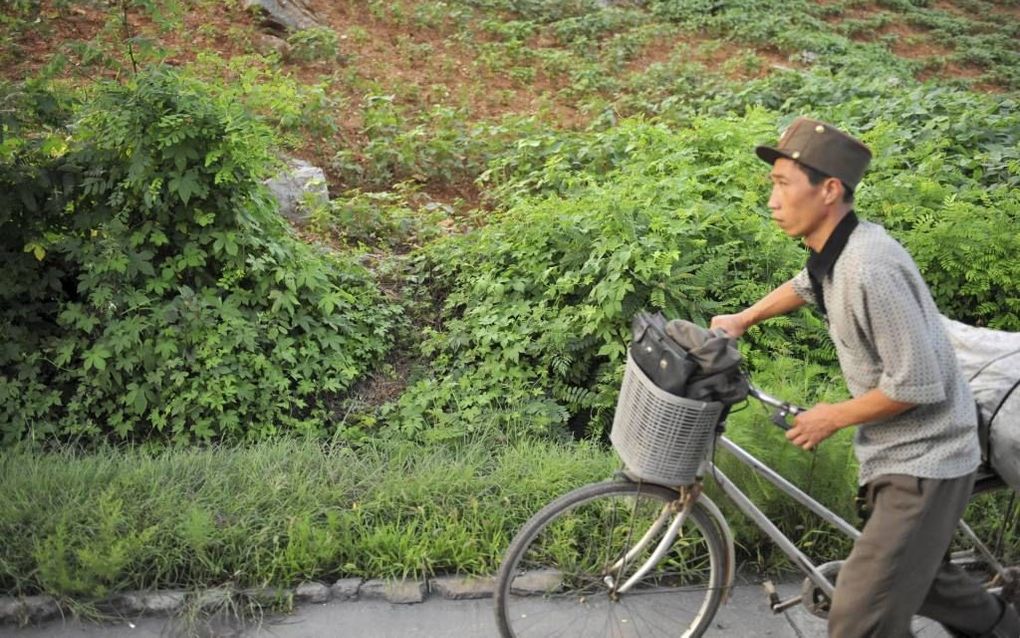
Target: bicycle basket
(662, 438)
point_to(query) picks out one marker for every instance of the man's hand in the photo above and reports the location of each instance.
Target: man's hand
(734, 325)
(813, 426)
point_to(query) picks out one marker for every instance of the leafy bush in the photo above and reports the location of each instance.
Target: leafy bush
(440, 146)
(315, 43)
(538, 302)
(160, 294)
(601, 224)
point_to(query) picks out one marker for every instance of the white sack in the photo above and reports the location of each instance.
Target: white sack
(990, 361)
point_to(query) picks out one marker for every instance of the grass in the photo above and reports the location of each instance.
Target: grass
(84, 526)
(272, 514)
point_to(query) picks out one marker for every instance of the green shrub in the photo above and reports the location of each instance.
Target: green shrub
(538, 302)
(161, 294)
(315, 43)
(440, 146)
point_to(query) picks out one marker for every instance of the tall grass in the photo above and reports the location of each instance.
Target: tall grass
(270, 514)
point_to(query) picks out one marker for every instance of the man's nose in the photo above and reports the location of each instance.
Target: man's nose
(774, 200)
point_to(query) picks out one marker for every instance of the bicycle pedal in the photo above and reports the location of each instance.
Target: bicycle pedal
(777, 604)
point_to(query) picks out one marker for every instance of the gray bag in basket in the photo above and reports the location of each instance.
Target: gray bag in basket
(665, 362)
(718, 376)
(990, 361)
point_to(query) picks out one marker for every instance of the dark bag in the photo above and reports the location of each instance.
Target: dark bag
(658, 355)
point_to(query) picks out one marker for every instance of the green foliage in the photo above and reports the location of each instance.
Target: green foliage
(538, 302)
(439, 146)
(153, 291)
(390, 220)
(600, 224)
(294, 109)
(315, 43)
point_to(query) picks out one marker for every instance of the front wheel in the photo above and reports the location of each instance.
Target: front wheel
(563, 571)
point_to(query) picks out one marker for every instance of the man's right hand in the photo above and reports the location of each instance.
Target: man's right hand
(733, 325)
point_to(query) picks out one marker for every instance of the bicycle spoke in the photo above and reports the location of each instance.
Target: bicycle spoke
(554, 583)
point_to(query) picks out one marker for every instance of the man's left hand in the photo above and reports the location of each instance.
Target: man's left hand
(813, 426)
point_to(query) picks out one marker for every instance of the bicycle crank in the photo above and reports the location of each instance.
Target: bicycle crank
(814, 599)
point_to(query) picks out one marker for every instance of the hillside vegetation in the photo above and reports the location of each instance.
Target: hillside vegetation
(511, 180)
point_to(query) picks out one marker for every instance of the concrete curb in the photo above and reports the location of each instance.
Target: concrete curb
(36, 609)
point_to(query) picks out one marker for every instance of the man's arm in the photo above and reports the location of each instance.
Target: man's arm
(778, 302)
(813, 426)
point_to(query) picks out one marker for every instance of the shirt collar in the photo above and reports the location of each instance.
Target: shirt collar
(819, 264)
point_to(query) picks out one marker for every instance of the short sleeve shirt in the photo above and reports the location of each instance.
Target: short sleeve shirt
(888, 335)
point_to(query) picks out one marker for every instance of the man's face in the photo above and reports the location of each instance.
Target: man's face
(797, 206)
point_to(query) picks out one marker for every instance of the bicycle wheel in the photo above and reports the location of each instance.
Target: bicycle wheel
(561, 573)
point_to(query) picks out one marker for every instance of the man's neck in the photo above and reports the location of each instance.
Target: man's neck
(817, 239)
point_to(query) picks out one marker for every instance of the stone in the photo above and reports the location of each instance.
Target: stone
(127, 603)
(40, 608)
(463, 588)
(346, 589)
(266, 596)
(12, 610)
(284, 15)
(163, 602)
(312, 593)
(267, 44)
(538, 582)
(299, 189)
(398, 592)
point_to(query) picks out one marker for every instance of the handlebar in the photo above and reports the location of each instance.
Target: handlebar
(783, 409)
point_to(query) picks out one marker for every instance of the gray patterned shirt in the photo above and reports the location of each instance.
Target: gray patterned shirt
(888, 335)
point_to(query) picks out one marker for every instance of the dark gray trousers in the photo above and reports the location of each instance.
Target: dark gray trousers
(897, 567)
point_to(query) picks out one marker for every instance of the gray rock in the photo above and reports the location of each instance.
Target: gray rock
(266, 44)
(346, 589)
(40, 608)
(163, 602)
(312, 593)
(128, 603)
(463, 588)
(538, 582)
(284, 15)
(398, 592)
(12, 610)
(299, 189)
(267, 596)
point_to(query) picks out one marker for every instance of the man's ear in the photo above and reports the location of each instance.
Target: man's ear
(832, 190)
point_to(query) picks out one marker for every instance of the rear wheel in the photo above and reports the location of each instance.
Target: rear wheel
(562, 572)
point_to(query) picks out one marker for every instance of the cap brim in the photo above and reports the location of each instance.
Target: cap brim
(769, 155)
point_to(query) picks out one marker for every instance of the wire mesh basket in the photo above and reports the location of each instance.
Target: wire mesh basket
(662, 438)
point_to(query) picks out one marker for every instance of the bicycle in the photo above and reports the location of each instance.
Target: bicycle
(648, 553)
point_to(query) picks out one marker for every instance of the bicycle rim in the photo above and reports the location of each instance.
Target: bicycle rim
(553, 581)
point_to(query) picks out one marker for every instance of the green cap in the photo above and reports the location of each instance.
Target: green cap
(823, 147)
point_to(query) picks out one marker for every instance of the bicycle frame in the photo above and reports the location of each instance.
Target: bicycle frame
(689, 496)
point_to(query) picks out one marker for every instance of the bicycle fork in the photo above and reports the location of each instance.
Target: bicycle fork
(681, 508)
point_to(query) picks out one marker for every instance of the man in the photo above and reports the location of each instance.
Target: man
(916, 432)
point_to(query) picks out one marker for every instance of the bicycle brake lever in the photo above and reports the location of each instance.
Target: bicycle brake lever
(784, 412)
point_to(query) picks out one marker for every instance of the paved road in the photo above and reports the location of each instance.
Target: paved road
(747, 614)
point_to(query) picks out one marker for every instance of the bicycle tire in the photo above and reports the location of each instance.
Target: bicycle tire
(552, 579)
